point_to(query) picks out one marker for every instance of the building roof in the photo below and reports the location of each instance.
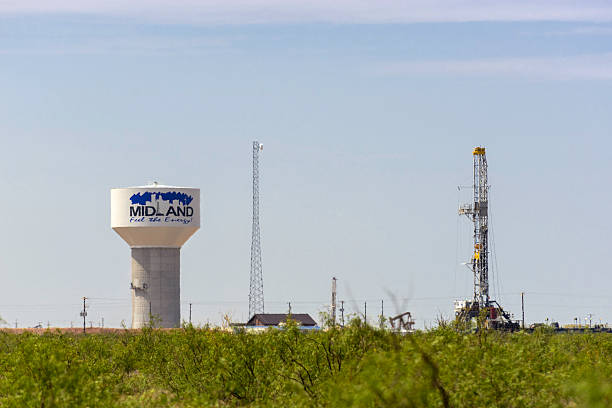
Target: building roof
(274, 319)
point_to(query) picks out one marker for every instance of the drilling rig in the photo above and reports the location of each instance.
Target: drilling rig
(481, 306)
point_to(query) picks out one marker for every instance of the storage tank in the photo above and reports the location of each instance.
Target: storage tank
(155, 221)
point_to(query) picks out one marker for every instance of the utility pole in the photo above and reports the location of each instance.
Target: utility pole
(84, 313)
(590, 320)
(365, 312)
(523, 307)
(189, 313)
(333, 302)
(382, 307)
(289, 303)
(256, 294)
(342, 311)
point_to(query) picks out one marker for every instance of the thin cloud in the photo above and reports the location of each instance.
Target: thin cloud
(581, 67)
(336, 11)
(128, 45)
(594, 30)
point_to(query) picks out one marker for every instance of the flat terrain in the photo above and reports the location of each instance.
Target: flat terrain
(75, 330)
(355, 366)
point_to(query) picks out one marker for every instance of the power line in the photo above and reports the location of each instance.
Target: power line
(28, 307)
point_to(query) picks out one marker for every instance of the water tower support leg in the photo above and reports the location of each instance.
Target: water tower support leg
(156, 288)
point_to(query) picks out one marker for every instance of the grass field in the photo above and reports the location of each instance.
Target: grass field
(357, 366)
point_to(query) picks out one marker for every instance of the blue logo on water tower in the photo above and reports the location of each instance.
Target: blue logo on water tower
(147, 204)
(147, 197)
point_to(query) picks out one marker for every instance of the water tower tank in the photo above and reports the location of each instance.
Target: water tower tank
(155, 221)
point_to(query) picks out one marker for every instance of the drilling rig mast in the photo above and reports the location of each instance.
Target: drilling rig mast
(256, 295)
(478, 213)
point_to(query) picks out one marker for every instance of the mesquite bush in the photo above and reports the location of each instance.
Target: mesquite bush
(357, 365)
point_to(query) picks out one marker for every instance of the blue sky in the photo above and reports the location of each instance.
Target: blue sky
(368, 117)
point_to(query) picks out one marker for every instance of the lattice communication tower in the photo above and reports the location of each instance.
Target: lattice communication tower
(256, 295)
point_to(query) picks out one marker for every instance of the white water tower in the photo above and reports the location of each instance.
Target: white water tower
(155, 221)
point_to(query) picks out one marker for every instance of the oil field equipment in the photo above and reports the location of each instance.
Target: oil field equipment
(402, 323)
(481, 306)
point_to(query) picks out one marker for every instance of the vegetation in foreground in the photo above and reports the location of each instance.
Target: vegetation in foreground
(356, 366)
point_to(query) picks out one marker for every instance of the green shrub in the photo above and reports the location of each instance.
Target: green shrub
(357, 365)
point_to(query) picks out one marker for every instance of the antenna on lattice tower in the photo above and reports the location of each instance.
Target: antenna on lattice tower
(256, 295)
